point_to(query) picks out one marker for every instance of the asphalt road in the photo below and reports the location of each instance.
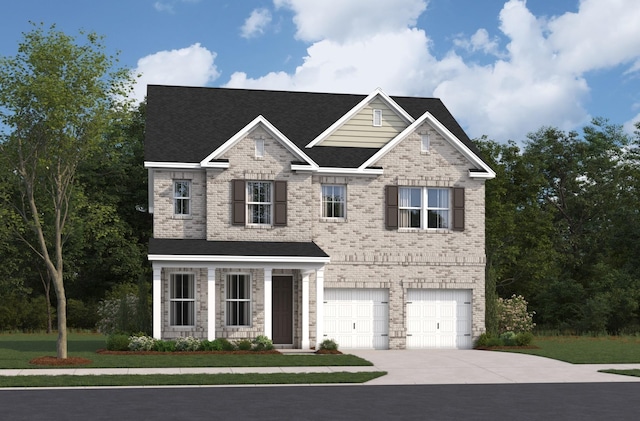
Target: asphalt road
(564, 401)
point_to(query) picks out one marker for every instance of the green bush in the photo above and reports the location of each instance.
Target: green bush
(482, 341)
(187, 344)
(164, 346)
(508, 339)
(225, 344)
(141, 343)
(524, 339)
(262, 343)
(329, 345)
(118, 342)
(244, 345)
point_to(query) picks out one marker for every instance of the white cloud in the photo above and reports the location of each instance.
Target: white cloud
(479, 42)
(397, 62)
(191, 66)
(345, 20)
(169, 6)
(256, 23)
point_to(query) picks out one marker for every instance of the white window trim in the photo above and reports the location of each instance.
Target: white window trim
(424, 209)
(377, 117)
(227, 279)
(186, 199)
(192, 280)
(249, 214)
(344, 203)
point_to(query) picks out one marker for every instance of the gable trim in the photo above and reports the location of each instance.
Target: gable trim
(258, 121)
(355, 110)
(486, 172)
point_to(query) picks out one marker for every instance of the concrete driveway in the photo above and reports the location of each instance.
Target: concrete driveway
(482, 367)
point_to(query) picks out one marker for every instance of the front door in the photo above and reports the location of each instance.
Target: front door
(282, 302)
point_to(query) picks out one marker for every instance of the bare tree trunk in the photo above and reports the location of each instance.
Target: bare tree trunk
(47, 294)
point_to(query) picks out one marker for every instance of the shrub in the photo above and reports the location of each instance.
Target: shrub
(513, 315)
(524, 339)
(225, 344)
(187, 344)
(141, 343)
(118, 342)
(244, 345)
(164, 346)
(482, 340)
(508, 338)
(329, 345)
(262, 343)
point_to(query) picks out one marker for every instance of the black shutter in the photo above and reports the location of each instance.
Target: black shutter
(391, 207)
(238, 192)
(280, 204)
(458, 209)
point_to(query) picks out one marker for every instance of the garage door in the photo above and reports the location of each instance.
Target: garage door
(357, 318)
(439, 318)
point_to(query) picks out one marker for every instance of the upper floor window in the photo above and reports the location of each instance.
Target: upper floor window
(182, 299)
(424, 208)
(259, 202)
(182, 197)
(334, 201)
(377, 117)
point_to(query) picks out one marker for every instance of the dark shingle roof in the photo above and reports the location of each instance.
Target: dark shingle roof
(186, 124)
(234, 248)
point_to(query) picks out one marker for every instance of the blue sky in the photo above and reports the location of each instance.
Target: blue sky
(504, 68)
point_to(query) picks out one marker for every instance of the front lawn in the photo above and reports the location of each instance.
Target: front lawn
(16, 350)
(187, 379)
(586, 349)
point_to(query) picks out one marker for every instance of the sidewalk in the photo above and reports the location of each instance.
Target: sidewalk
(407, 367)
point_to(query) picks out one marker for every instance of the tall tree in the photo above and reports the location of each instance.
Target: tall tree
(57, 96)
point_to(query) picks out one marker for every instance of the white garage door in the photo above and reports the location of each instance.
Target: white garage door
(357, 318)
(439, 318)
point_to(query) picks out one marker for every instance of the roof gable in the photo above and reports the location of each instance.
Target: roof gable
(189, 126)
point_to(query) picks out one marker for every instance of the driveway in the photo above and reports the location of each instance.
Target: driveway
(482, 367)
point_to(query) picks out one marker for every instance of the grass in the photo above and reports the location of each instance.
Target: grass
(187, 379)
(16, 350)
(633, 372)
(587, 349)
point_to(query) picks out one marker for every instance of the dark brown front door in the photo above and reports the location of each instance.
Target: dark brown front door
(282, 302)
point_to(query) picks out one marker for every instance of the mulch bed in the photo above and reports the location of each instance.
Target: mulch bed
(60, 362)
(328, 351)
(107, 352)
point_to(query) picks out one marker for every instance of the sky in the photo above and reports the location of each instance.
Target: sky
(503, 68)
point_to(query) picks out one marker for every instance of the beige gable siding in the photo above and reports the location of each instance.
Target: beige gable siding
(359, 131)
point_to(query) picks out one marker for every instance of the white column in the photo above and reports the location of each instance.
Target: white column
(157, 301)
(319, 307)
(305, 310)
(211, 303)
(268, 299)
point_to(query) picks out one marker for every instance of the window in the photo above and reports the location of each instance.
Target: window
(238, 300)
(182, 299)
(259, 202)
(377, 118)
(423, 208)
(259, 148)
(334, 201)
(424, 143)
(182, 197)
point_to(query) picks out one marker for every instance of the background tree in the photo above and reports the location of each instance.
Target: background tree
(57, 97)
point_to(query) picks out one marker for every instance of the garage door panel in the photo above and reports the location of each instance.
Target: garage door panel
(360, 319)
(438, 318)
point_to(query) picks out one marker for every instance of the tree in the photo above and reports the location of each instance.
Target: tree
(56, 99)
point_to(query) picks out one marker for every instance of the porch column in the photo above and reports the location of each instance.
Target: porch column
(305, 310)
(268, 308)
(157, 304)
(319, 307)
(211, 303)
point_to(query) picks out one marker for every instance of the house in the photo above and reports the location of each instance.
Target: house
(307, 216)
